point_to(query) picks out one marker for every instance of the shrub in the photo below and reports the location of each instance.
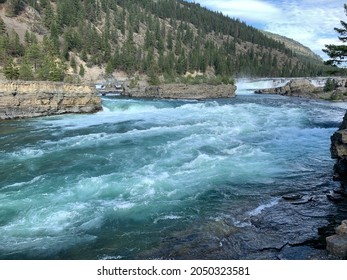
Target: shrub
(330, 85)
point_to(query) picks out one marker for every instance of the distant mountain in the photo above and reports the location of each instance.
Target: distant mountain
(76, 40)
(295, 46)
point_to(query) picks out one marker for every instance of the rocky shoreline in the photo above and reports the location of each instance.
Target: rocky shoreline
(302, 87)
(35, 99)
(337, 243)
(181, 91)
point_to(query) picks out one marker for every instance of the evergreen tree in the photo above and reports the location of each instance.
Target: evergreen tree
(153, 74)
(13, 7)
(14, 48)
(169, 41)
(2, 27)
(33, 54)
(11, 71)
(338, 53)
(82, 71)
(330, 85)
(73, 64)
(26, 72)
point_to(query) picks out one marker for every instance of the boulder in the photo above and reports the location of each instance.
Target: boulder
(337, 245)
(342, 229)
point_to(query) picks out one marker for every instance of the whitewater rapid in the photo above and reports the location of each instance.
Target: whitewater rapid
(144, 176)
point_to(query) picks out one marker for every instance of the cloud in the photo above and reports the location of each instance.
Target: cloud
(311, 22)
(308, 22)
(247, 10)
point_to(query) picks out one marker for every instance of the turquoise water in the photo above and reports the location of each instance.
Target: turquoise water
(146, 178)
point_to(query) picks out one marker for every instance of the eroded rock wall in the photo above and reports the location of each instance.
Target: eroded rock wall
(33, 99)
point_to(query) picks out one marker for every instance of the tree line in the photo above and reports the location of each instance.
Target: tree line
(157, 38)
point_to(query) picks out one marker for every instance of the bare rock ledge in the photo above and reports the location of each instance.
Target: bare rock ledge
(182, 91)
(34, 99)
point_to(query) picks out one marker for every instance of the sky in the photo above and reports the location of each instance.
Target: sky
(310, 22)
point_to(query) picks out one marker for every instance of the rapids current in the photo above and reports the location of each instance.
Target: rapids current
(168, 179)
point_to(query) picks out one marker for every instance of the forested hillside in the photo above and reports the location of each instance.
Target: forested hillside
(62, 39)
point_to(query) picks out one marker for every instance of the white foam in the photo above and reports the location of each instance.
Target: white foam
(260, 208)
(25, 183)
(28, 152)
(248, 86)
(167, 217)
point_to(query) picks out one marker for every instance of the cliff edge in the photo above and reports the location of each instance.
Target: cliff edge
(34, 99)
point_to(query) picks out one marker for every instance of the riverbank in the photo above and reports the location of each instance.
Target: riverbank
(311, 88)
(34, 99)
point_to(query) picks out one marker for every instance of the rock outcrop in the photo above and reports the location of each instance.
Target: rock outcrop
(337, 244)
(295, 87)
(338, 150)
(300, 87)
(34, 99)
(182, 91)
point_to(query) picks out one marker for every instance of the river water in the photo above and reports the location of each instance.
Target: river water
(169, 179)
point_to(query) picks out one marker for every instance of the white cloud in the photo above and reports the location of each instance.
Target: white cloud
(247, 10)
(308, 23)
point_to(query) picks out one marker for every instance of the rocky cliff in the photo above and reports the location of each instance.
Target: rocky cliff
(182, 91)
(337, 244)
(33, 99)
(338, 150)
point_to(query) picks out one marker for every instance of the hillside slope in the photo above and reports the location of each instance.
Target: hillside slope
(76, 40)
(294, 45)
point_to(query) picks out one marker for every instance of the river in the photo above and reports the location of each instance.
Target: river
(170, 179)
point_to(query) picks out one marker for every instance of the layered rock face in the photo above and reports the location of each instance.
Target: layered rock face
(34, 99)
(182, 91)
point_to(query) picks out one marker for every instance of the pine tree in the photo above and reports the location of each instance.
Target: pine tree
(13, 7)
(338, 53)
(11, 71)
(82, 71)
(33, 54)
(169, 40)
(2, 27)
(26, 72)
(15, 48)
